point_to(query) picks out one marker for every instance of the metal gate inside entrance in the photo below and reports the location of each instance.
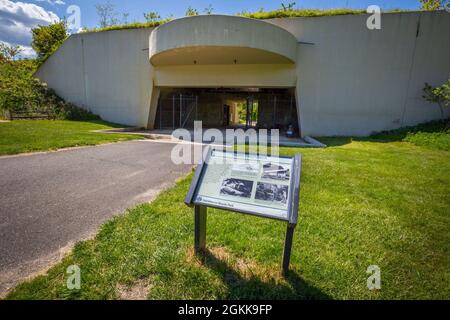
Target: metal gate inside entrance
(258, 108)
(178, 111)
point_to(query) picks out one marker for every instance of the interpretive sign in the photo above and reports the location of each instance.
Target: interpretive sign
(259, 185)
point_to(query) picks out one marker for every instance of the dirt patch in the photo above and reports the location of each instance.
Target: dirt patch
(138, 291)
(221, 258)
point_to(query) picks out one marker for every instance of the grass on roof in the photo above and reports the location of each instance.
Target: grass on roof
(134, 25)
(280, 13)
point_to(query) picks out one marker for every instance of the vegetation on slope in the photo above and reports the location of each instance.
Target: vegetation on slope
(434, 135)
(21, 93)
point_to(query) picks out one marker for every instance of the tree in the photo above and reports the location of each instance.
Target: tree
(9, 52)
(209, 9)
(47, 39)
(435, 4)
(106, 14)
(17, 85)
(152, 16)
(125, 18)
(439, 95)
(288, 7)
(191, 12)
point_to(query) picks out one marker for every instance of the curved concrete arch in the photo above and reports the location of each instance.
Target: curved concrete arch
(220, 39)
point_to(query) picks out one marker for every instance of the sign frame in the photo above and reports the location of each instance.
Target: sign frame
(201, 209)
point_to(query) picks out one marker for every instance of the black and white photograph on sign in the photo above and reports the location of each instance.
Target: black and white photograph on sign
(272, 192)
(237, 187)
(250, 169)
(276, 172)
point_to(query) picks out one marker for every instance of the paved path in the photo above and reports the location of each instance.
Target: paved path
(50, 201)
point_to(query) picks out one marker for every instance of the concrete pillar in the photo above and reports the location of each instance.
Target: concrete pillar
(299, 113)
(156, 91)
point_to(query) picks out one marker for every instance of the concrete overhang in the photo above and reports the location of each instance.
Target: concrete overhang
(219, 39)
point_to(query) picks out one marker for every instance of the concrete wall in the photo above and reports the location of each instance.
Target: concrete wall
(107, 73)
(231, 76)
(350, 81)
(353, 81)
(172, 42)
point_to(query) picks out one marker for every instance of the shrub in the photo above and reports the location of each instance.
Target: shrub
(21, 92)
(58, 108)
(434, 134)
(70, 111)
(438, 95)
(47, 39)
(17, 88)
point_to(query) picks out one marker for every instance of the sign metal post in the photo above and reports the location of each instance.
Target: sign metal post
(200, 229)
(287, 248)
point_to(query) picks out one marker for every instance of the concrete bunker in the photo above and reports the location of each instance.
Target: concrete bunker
(119, 74)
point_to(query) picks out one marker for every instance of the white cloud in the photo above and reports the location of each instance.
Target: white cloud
(18, 18)
(26, 51)
(53, 2)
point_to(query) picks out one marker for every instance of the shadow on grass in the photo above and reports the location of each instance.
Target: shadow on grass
(342, 141)
(106, 123)
(335, 141)
(253, 288)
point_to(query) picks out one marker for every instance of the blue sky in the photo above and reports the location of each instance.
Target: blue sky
(136, 8)
(18, 17)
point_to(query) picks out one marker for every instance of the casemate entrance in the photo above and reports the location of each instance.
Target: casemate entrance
(222, 108)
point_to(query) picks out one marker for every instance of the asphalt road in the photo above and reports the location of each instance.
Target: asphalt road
(50, 201)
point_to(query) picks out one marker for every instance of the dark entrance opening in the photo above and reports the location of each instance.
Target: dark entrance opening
(259, 108)
(226, 115)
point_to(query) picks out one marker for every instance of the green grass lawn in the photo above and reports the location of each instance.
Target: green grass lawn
(362, 203)
(23, 136)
